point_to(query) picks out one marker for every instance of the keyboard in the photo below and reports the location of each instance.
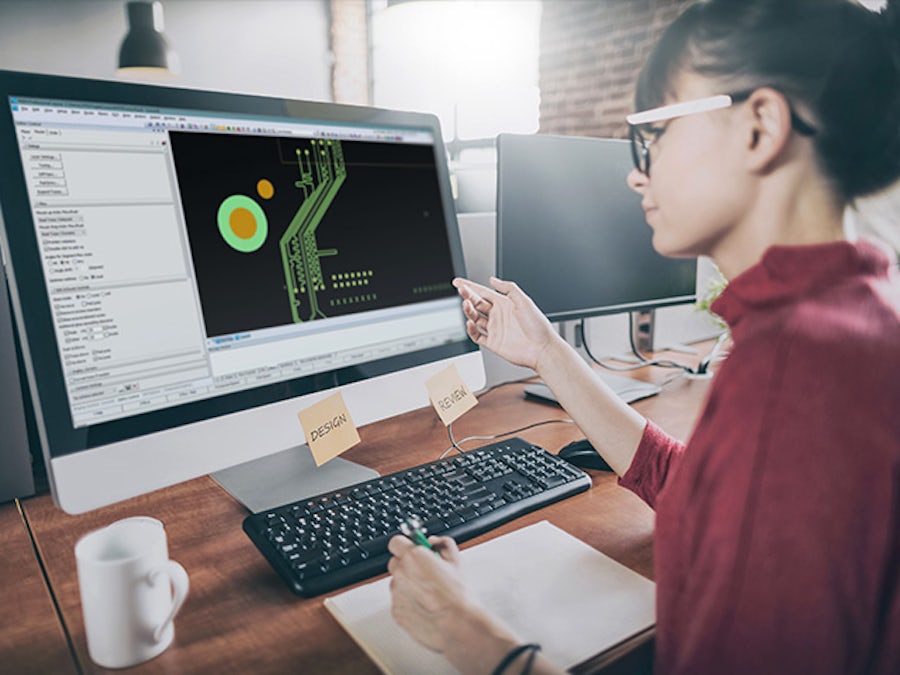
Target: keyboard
(340, 537)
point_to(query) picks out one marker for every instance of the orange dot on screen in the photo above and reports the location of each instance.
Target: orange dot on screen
(242, 222)
(265, 189)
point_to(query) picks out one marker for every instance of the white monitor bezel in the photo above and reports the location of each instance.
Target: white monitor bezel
(105, 473)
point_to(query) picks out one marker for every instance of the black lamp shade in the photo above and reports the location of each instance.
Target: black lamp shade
(145, 45)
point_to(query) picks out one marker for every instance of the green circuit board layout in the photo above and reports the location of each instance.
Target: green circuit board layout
(322, 172)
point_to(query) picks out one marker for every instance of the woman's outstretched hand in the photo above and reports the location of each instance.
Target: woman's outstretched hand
(505, 320)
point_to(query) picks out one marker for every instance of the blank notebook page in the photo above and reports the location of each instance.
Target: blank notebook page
(548, 586)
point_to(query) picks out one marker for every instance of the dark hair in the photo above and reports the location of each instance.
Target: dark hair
(835, 60)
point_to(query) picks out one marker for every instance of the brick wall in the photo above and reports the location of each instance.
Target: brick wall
(591, 53)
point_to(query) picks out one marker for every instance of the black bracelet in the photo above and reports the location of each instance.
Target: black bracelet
(514, 654)
(534, 650)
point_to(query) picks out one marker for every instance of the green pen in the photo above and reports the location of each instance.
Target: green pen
(412, 528)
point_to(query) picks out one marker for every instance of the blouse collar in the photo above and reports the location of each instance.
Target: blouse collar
(788, 273)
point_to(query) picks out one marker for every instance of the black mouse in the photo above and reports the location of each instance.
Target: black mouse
(583, 455)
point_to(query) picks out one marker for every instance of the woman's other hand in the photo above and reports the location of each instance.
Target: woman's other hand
(429, 600)
(426, 589)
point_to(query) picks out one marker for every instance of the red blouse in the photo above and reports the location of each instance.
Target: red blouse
(777, 541)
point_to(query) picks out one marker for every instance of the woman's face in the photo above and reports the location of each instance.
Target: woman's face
(696, 191)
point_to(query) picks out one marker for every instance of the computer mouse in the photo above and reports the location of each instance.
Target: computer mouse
(583, 455)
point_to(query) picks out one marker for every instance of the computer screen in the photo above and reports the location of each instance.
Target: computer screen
(189, 269)
(572, 234)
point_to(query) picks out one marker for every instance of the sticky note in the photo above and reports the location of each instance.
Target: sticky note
(329, 428)
(449, 395)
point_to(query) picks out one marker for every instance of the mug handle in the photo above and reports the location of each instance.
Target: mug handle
(178, 578)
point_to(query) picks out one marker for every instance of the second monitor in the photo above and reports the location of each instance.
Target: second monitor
(572, 234)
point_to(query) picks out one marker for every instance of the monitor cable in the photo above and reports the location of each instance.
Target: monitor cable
(454, 444)
(701, 370)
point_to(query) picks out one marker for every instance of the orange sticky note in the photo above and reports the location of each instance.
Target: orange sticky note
(449, 395)
(329, 428)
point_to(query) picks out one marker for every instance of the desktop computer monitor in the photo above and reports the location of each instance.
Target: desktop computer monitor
(190, 269)
(572, 234)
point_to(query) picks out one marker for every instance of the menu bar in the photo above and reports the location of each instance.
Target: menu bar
(35, 112)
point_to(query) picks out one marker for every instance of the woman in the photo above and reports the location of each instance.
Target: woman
(777, 542)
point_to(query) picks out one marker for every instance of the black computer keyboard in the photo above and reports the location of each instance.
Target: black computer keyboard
(340, 537)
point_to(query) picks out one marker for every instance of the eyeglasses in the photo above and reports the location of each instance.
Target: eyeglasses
(643, 131)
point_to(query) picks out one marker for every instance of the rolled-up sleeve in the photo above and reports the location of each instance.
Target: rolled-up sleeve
(657, 455)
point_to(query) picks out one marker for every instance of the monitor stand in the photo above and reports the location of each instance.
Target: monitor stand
(643, 322)
(626, 388)
(288, 476)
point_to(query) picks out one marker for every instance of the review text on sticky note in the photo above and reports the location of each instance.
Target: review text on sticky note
(329, 428)
(449, 394)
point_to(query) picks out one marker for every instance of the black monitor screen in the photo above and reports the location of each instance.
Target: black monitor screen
(572, 234)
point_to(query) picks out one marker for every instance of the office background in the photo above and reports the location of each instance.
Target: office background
(483, 66)
(329, 49)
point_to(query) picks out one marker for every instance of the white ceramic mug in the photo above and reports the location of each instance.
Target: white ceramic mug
(130, 591)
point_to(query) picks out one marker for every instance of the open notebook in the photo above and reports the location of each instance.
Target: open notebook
(550, 587)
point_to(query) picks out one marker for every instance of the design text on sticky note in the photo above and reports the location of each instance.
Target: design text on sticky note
(329, 428)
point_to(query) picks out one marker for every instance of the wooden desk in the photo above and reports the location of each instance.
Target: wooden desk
(32, 639)
(240, 617)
